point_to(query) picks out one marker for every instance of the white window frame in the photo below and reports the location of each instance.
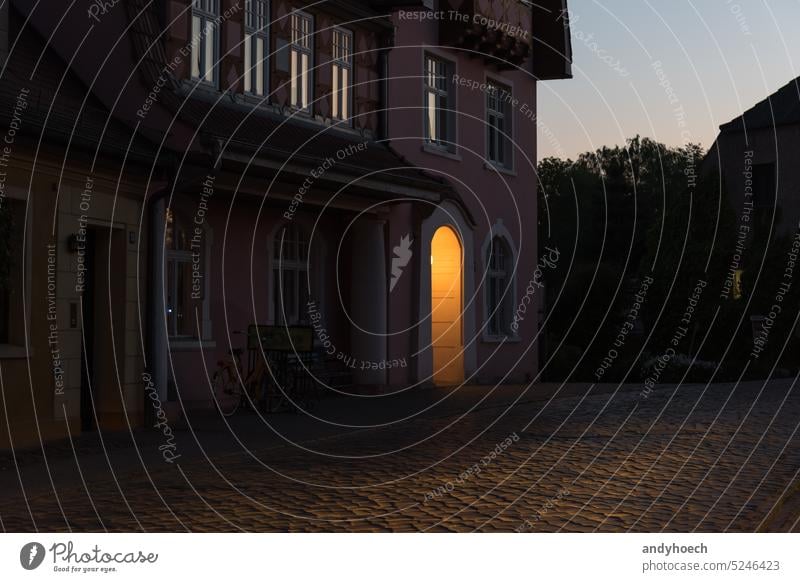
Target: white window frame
(438, 84)
(342, 76)
(299, 268)
(498, 280)
(256, 47)
(302, 45)
(205, 46)
(499, 111)
(500, 232)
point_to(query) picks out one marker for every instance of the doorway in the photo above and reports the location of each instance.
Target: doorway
(103, 327)
(447, 337)
(87, 310)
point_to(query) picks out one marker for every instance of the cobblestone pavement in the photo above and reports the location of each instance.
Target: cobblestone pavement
(722, 458)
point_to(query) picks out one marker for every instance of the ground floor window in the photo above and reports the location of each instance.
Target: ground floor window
(499, 295)
(12, 222)
(185, 277)
(290, 276)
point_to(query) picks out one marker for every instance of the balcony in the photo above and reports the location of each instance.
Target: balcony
(496, 30)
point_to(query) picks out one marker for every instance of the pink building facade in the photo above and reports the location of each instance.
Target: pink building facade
(365, 170)
(462, 106)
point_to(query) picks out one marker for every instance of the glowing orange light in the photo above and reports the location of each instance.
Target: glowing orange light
(446, 307)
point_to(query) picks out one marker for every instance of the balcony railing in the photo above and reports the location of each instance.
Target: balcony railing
(497, 30)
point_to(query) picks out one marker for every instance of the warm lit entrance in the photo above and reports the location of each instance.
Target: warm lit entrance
(446, 307)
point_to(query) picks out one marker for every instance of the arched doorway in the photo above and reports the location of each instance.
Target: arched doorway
(447, 336)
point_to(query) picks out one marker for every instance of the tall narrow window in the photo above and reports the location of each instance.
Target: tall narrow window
(256, 46)
(342, 74)
(301, 61)
(12, 305)
(290, 276)
(439, 126)
(499, 293)
(499, 125)
(205, 39)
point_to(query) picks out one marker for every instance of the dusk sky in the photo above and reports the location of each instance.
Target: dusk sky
(719, 57)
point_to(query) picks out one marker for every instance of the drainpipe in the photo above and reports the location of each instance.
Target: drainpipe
(383, 90)
(158, 336)
(158, 342)
(383, 75)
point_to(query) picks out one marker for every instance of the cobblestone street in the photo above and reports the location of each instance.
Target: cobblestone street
(696, 459)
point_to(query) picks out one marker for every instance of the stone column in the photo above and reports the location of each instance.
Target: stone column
(368, 291)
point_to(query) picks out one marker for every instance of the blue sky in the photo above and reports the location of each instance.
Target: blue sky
(674, 70)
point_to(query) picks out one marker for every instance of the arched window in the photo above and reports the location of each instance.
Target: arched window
(185, 278)
(290, 276)
(499, 289)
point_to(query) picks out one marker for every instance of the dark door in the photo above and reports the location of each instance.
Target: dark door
(87, 311)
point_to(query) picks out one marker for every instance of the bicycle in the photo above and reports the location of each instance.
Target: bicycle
(279, 381)
(231, 388)
(294, 388)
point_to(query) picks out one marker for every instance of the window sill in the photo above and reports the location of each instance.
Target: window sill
(316, 121)
(502, 169)
(299, 112)
(342, 124)
(346, 126)
(198, 85)
(11, 352)
(440, 151)
(255, 100)
(190, 345)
